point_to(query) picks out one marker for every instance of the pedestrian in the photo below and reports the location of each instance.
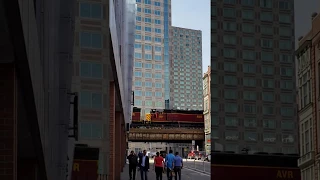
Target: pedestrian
(177, 164)
(144, 166)
(133, 162)
(169, 164)
(158, 166)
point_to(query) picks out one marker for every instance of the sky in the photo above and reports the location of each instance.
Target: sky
(188, 14)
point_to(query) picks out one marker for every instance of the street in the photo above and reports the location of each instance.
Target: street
(188, 172)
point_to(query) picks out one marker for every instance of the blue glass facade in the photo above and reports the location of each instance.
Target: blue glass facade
(166, 54)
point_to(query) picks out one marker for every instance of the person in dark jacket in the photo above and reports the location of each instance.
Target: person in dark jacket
(133, 162)
(144, 166)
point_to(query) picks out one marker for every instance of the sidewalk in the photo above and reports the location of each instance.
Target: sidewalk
(125, 173)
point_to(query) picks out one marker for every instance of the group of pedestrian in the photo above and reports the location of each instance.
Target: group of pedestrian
(172, 164)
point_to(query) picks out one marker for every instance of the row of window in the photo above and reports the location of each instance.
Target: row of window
(149, 29)
(253, 42)
(148, 38)
(148, 20)
(253, 96)
(266, 148)
(252, 28)
(253, 68)
(156, 3)
(252, 123)
(141, 84)
(147, 47)
(282, 5)
(250, 82)
(251, 15)
(148, 56)
(252, 109)
(251, 55)
(91, 10)
(149, 11)
(147, 93)
(253, 136)
(151, 84)
(138, 102)
(146, 74)
(147, 65)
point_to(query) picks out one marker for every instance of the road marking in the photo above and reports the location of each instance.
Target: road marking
(202, 173)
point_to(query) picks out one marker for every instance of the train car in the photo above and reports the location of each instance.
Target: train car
(227, 166)
(176, 116)
(136, 114)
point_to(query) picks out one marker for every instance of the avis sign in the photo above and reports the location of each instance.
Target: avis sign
(284, 174)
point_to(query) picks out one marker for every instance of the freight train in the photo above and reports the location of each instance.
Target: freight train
(261, 166)
(168, 116)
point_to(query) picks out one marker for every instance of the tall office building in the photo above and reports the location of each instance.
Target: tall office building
(308, 68)
(207, 109)
(253, 92)
(103, 58)
(151, 66)
(186, 68)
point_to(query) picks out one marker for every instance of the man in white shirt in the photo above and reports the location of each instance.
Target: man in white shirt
(144, 166)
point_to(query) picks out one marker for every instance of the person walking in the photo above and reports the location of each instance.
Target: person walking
(133, 162)
(158, 166)
(144, 166)
(169, 164)
(177, 164)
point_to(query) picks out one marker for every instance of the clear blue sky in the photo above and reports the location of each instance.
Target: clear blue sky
(188, 14)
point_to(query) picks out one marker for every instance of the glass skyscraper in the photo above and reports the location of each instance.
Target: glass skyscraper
(151, 84)
(253, 89)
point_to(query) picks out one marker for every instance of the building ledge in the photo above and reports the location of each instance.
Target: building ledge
(306, 159)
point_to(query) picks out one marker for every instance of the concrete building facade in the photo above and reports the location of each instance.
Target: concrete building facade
(36, 56)
(151, 65)
(103, 59)
(186, 68)
(308, 54)
(207, 109)
(253, 102)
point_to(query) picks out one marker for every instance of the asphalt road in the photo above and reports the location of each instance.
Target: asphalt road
(187, 173)
(198, 165)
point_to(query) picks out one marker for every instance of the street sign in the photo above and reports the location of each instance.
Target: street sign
(193, 142)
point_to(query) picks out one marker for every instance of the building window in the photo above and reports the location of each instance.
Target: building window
(147, 1)
(138, 28)
(229, 53)
(137, 55)
(266, 30)
(285, 5)
(137, 93)
(147, 11)
(285, 44)
(159, 104)
(157, 12)
(137, 102)
(138, 9)
(158, 66)
(247, 2)
(269, 124)
(90, 10)
(157, 3)
(148, 66)
(149, 94)
(137, 46)
(90, 70)
(147, 75)
(268, 110)
(268, 83)
(229, 12)
(157, 48)
(228, 94)
(287, 98)
(229, 26)
(248, 55)
(147, 29)
(147, 47)
(148, 103)
(290, 125)
(249, 109)
(249, 95)
(268, 70)
(248, 28)
(249, 122)
(250, 82)
(148, 84)
(231, 108)
(230, 80)
(229, 39)
(266, 3)
(287, 138)
(248, 41)
(250, 136)
(137, 83)
(157, 39)
(148, 56)
(158, 76)
(214, 120)
(138, 37)
(285, 31)
(231, 67)
(157, 30)
(287, 111)
(231, 121)
(138, 64)
(89, 130)
(90, 40)
(247, 14)
(158, 58)
(266, 16)
(158, 94)
(91, 100)
(214, 134)
(229, 1)
(286, 58)
(268, 96)
(269, 137)
(266, 43)
(232, 135)
(285, 18)
(249, 68)
(286, 85)
(138, 74)
(306, 136)
(266, 56)
(147, 38)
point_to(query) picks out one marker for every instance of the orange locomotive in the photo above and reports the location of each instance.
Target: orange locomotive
(264, 166)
